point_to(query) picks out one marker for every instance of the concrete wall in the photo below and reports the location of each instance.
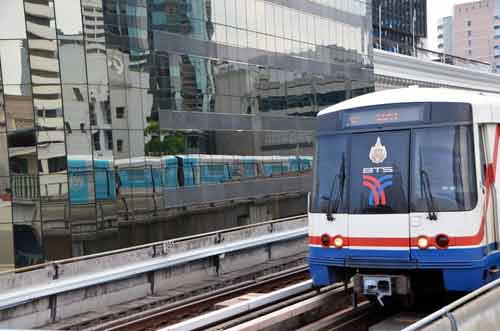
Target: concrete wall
(482, 313)
(146, 228)
(46, 310)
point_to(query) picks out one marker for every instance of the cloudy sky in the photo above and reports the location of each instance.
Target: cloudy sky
(435, 10)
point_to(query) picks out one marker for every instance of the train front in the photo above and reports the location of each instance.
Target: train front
(395, 200)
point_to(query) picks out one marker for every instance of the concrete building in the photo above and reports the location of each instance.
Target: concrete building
(475, 29)
(445, 35)
(496, 36)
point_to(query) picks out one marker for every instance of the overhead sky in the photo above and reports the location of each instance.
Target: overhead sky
(435, 10)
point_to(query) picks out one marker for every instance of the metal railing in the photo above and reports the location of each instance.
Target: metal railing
(429, 55)
(161, 258)
(25, 187)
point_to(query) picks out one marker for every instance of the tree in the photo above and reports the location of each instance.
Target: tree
(172, 143)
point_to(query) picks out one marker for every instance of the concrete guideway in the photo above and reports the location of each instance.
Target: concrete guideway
(32, 300)
(243, 307)
(478, 310)
(394, 70)
(298, 306)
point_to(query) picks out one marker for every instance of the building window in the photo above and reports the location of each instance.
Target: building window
(57, 164)
(120, 112)
(93, 117)
(78, 94)
(106, 111)
(108, 135)
(96, 141)
(469, 33)
(119, 145)
(469, 23)
(469, 52)
(469, 42)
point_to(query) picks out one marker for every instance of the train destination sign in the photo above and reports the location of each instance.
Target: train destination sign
(389, 115)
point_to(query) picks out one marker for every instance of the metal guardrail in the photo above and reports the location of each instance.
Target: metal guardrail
(150, 245)
(447, 310)
(20, 296)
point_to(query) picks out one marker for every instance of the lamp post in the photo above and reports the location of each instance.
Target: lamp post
(414, 20)
(380, 25)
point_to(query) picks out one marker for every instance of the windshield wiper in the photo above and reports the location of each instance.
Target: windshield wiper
(334, 203)
(329, 209)
(429, 199)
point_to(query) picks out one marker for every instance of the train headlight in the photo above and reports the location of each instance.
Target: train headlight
(338, 242)
(325, 240)
(442, 240)
(423, 242)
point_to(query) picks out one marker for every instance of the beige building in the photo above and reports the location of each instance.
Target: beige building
(475, 29)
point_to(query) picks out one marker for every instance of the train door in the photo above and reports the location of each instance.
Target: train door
(378, 224)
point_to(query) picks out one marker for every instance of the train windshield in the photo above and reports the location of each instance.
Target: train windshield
(399, 171)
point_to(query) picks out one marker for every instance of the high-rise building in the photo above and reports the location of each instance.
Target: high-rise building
(445, 35)
(399, 26)
(476, 31)
(496, 36)
(124, 122)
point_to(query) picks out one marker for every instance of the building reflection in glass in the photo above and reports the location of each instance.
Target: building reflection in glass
(119, 118)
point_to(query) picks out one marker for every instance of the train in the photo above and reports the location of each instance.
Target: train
(404, 200)
(103, 179)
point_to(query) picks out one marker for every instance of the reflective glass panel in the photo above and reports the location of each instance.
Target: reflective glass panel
(12, 24)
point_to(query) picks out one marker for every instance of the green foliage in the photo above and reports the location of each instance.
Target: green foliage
(172, 143)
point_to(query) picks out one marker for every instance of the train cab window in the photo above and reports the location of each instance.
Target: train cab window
(331, 174)
(443, 169)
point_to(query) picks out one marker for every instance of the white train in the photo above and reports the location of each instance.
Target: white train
(405, 193)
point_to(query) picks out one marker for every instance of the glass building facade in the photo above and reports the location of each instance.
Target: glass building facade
(129, 121)
(399, 25)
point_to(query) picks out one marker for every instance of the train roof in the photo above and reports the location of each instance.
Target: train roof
(141, 160)
(414, 94)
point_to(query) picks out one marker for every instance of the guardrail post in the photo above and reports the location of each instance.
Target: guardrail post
(219, 239)
(151, 281)
(218, 267)
(53, 298)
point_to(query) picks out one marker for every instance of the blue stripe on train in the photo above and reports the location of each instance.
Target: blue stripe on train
(464, 269)
(379, 258)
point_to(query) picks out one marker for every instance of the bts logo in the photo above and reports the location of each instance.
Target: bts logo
(377, 188)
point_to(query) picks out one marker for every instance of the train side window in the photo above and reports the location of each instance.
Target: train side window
(482, 132)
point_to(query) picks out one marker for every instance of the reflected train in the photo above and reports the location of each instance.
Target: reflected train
(404, 201)
(152, 174)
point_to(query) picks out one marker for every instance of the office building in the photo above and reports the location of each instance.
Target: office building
(399, 26)
(105, 103)
(445, 35)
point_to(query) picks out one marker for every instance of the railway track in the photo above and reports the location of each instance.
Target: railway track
(280, 301)
(172, 313)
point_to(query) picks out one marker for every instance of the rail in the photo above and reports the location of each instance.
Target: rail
(211, 318)
(161, 255)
